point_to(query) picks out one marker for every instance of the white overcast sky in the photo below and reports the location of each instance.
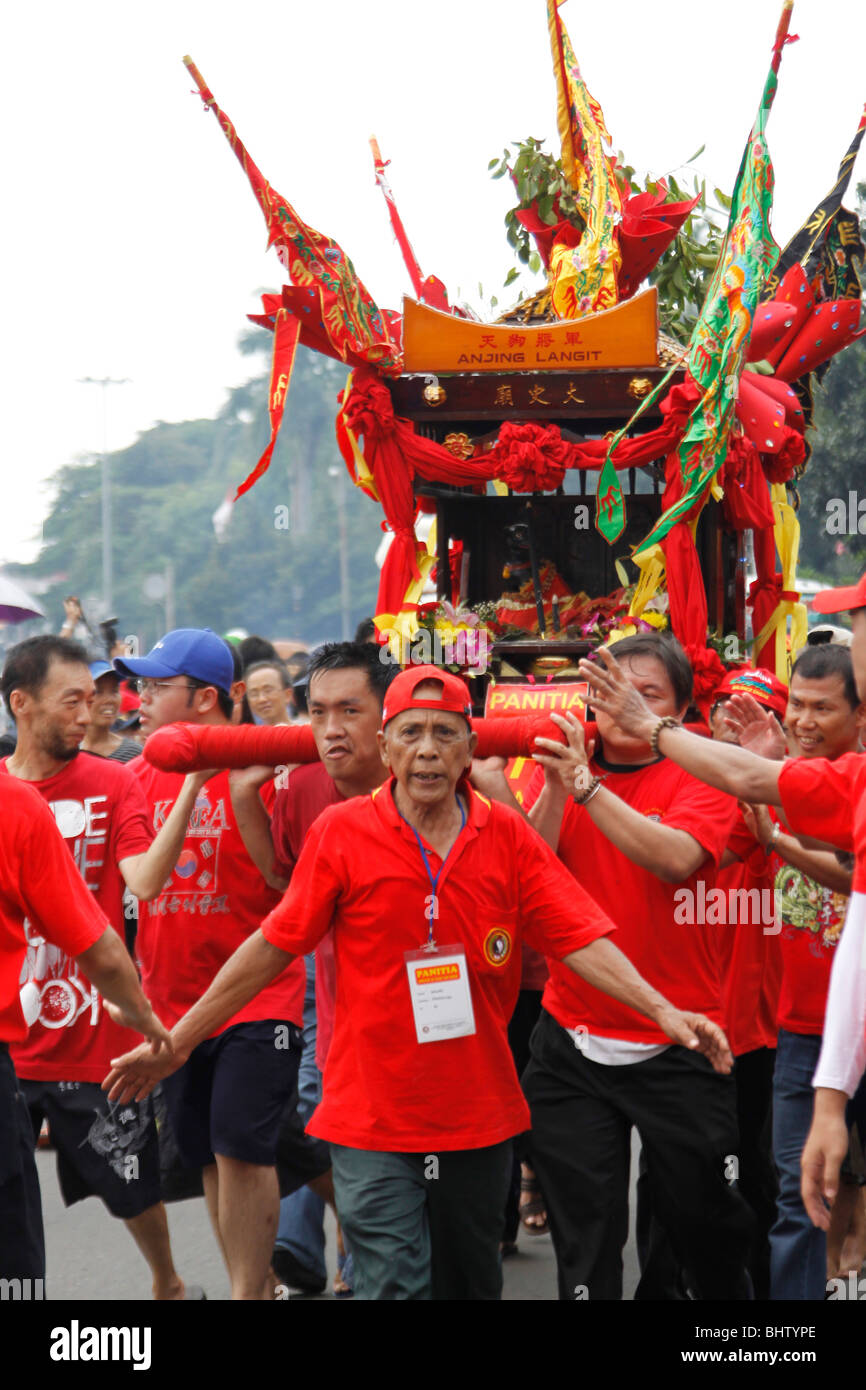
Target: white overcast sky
(132, 245)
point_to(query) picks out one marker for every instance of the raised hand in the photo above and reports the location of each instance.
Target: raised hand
(759, 822)
(562, 762)
(614, 695)
(487, 775)
(755, 726)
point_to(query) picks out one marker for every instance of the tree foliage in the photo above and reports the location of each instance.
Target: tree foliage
(834, 481)
(165, 488)
(836, 469)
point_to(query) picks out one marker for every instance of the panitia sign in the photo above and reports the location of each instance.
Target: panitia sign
(506, 701)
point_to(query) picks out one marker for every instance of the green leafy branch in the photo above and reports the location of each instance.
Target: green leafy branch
(540, 182)
(682, 274)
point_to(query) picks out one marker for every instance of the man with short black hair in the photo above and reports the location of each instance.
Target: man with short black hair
(821, 796)
(347, 683)
(824, 719)
(642, 837)
(227, 1103)
(104, 1151)
(36, 872)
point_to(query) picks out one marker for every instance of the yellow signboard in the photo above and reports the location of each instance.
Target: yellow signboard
(505, 701)
(626, 336)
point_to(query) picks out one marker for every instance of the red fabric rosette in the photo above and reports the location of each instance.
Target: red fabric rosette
(708, 672)
(779, 467)
(530, 458)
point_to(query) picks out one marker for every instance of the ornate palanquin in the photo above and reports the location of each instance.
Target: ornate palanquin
(588, 478)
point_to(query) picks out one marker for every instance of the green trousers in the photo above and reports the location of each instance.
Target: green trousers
(424, 1226)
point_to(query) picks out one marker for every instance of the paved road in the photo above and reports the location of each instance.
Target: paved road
(90, 1255)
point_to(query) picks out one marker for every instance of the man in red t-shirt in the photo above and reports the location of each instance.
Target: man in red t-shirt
(40, 885)
(751, 965)
(429, 889)
(808, 789)
(227, 1103)
(645, 839)
(346, 686)
(102, 1150)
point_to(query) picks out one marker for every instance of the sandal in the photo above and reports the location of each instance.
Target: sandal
(344, 1277)
(534, 1207)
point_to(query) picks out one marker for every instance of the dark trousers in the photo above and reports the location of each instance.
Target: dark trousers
(22, 1247)
(423, 1226)
(661, 1277)
(755, 1176)
(582, 1116)
(523, 1020)
(757, 1181)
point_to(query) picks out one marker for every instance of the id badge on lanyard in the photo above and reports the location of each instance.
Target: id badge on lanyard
(439, 989)
(438, 976)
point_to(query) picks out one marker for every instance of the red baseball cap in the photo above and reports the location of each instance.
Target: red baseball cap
(401, 696)
(761, 684)
(840, 600)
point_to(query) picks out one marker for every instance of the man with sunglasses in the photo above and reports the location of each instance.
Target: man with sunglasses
(227, 1102)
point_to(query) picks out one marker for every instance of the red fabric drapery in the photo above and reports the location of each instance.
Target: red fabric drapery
(526, 456)
(747, 496)
(765, 593)
(687, 597)
(534, 457)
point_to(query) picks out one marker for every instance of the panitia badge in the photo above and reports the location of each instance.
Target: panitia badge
(497, 946)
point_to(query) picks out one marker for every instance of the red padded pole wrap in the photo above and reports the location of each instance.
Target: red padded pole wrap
(513, 737)
(191, 747)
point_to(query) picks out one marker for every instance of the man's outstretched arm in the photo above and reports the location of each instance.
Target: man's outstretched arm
(606, 967)
(254, 964)
(109, 966)
(735, 770)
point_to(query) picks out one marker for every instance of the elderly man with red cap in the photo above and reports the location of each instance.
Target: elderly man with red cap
(430, 889)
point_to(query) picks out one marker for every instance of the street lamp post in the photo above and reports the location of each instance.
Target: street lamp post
(107, 569)
(343, 542)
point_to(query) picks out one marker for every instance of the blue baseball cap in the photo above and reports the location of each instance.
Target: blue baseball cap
(102, 668)
(187, 651)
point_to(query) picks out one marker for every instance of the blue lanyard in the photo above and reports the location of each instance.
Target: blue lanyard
(431, 944)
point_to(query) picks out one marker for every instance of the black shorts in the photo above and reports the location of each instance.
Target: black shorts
(105, 1148)
(231, 1094)
(300, 1157)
